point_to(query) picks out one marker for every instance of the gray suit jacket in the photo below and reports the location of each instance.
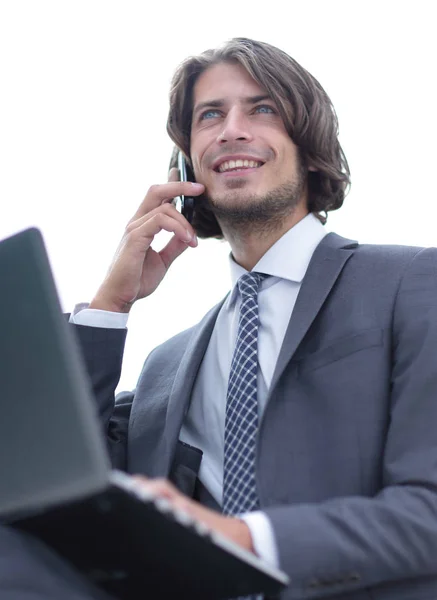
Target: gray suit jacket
(347, 449)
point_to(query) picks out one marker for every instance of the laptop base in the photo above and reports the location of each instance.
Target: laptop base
(104, 538)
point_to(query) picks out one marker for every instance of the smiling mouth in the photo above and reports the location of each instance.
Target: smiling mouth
(238, 165)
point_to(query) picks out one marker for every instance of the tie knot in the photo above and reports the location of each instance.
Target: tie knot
(249, 283)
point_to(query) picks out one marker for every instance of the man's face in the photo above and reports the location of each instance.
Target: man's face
(240, 148)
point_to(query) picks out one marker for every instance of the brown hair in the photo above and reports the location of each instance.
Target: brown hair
(304, 106)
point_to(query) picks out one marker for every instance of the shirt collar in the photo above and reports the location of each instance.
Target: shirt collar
(288, 258)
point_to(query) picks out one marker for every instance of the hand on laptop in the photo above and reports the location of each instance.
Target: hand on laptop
(230, 527)
(137, 269)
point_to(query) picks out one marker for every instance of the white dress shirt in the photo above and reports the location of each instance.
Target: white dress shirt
(286, 262)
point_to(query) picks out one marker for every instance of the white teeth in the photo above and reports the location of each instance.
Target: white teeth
(238, 164)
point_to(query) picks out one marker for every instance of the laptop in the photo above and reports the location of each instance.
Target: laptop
(56, 480)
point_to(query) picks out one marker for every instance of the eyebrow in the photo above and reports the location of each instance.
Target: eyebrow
(220, 103)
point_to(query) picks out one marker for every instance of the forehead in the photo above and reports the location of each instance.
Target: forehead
(227, 82)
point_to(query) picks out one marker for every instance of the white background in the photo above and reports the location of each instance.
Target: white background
(83, 94)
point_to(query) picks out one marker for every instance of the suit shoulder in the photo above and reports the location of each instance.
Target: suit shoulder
(389, 249)
(392, 255)
(172, 349)
(375, 253)
(391, 262)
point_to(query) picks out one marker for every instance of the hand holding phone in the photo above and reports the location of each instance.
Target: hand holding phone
(137, 269)
(185, 204)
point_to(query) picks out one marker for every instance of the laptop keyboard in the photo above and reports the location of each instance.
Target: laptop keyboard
(162, 505)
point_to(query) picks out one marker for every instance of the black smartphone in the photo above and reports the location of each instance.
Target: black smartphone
(185, 204)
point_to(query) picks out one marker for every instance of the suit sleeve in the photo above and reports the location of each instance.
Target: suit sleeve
(354, 542)
(102, 351)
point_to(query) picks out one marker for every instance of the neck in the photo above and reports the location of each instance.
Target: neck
(249, 246)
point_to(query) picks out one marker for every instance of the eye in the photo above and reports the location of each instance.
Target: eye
(265, 109)
(209, 114)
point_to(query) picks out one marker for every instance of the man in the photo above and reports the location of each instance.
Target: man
(311, 389)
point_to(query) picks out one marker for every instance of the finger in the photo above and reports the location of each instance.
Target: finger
(171, 211)
(158, 487)
(167, 208)
(141, 478)
(173, 174)
(172, 250)
(159, 222)
(165, 192)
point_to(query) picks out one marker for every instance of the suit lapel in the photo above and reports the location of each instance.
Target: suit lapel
(181, 391)
(326, 265)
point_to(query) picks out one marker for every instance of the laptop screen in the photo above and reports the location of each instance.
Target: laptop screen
(51, 445)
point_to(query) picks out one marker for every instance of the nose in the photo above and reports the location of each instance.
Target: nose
(236, 128)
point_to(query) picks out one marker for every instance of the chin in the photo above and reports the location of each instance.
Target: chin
(237, 188)
(234, 198)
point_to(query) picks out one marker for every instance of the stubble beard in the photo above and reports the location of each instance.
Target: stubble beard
(242, 213)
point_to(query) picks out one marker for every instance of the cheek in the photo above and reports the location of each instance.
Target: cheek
(196, 159)
(289, 161)
(200, 173)
(202, 148)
